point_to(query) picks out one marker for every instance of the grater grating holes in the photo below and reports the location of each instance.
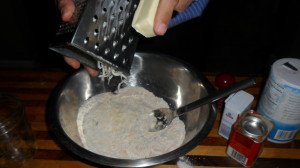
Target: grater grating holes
(95, 18)
(102, 31)
(130, 40)
(107, 50)
(122, 35)
(96, 47)
(115, 43)
(86, 40)
(108, 38)
(96, 32)
(124, 48)
(116, 56)
(113, 30)
(105, 38)
(104, 24)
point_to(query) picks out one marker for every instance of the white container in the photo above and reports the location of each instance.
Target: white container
(235, 105)
(280, 100)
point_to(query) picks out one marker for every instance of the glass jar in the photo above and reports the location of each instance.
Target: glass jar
(17, 141)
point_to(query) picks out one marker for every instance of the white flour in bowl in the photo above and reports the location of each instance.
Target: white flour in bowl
(116, 125)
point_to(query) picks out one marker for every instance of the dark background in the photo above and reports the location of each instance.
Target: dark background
(238, 36)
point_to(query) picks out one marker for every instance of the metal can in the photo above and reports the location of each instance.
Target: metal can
(247, 136)
(280, 100)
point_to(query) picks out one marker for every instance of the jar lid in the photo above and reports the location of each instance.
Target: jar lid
(287, 70)
(255, 126)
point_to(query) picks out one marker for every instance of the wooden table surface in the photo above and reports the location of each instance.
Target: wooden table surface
(34, 88)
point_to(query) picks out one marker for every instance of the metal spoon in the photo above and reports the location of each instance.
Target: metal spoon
(164, 116)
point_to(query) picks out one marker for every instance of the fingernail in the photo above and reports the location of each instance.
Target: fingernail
(161, 29)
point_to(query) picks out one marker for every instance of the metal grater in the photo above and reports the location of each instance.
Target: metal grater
(100, 31)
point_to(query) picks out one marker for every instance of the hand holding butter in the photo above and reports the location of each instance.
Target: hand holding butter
(153, 17)
(143, 20)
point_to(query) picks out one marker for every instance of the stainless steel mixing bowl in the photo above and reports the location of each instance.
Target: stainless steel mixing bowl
(175, 81)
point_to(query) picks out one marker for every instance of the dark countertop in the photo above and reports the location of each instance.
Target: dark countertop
(34, 88)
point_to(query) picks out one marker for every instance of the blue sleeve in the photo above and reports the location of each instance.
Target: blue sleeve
(195, 9)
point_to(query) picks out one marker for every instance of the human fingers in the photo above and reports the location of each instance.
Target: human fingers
(91, 71)
(76, 64)
(163, 15)
(182, 5)
(67, 8)
(72, 62)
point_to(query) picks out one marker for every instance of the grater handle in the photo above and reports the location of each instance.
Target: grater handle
(194, 10)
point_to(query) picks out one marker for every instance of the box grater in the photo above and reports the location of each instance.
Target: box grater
(99, 31)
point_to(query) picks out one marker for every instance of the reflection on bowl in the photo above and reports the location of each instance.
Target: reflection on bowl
(176, 82)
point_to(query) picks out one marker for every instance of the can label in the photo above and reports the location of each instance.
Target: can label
(239, 157)
(280, 102)
(243, 149)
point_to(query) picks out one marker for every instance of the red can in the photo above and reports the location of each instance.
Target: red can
(247, 136)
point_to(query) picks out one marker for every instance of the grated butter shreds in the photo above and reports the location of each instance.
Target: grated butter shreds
(109, 73)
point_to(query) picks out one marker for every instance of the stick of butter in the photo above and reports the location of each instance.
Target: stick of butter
(143, 19)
